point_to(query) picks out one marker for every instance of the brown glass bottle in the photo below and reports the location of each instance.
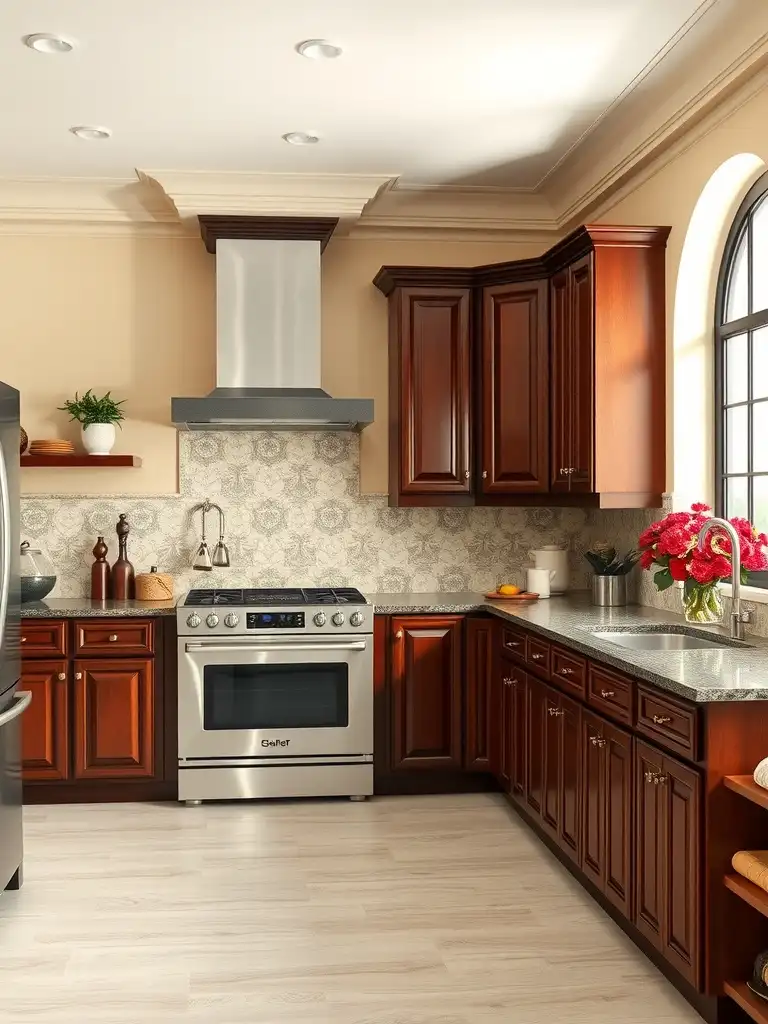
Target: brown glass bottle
(100, 572)
(123, 576)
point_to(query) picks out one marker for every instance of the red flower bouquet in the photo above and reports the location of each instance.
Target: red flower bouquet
(671, 545)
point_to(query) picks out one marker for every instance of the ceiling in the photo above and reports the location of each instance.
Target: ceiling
(447, 92)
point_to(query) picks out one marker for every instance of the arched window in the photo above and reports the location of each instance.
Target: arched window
(741, 366)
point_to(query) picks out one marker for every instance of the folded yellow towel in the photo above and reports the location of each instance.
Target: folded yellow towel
(753, 865)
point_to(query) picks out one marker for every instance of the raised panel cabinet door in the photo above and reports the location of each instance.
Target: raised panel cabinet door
(535, 744)
(45, 724)
(479, 720)
(551, 809)
(518, 710)
(582, 375)
(426, 692)
(434, 388)
(515, 389)
(569, 783)
(503, 679)
(618, 817)
(649, 842)
(680, 788)
(593, 798)
(560, 375)
(114, 731)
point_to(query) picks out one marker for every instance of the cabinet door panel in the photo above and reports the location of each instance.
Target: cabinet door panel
(515, 372)
(479, 719)
(569, 784)
(504, 732)
(434, 389)
(618, 817)
(681, 790)
(45, 724)
(426, 692)
(582, 382)
(114, 718)
(535, 744)
(593, 796)
(552, 759)
(559, 331)
(649, 869)
(518, 733)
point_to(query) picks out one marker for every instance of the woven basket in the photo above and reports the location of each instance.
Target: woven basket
(154, 586)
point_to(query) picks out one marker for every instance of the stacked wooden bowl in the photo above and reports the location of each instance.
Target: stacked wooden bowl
(52, 446)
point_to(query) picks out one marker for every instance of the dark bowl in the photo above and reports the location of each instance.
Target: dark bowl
(35, 588)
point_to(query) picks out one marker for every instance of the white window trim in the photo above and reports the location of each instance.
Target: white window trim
(759, 595)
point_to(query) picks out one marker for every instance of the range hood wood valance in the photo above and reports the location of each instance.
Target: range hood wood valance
(532, 382)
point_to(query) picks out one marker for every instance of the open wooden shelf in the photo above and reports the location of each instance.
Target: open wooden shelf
(750, 1003)
(79, 461)
(746, 786)
(749, 892)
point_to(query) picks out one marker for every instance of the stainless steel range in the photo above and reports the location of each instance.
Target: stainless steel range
(275, 694)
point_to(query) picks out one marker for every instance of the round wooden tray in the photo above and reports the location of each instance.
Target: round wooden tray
(524, 596)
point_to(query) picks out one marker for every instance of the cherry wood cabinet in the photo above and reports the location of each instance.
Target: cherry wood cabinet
(560, 770)
(426, 691)
(515, 389)
(511, 708)
(480, 723)
(536, 730)
(45, 725)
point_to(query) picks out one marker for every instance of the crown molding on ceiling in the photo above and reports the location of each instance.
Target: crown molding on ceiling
(89, 203)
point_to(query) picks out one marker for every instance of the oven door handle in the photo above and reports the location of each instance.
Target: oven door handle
(280, 645)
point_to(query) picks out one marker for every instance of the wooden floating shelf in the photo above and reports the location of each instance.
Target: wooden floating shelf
(749, 892)
(79, 461)
(746, 786)
(750, 1003)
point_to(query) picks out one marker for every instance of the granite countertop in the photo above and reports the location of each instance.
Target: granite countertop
(730, 673)
(85, 608)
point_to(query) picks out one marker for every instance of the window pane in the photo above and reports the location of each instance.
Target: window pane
(736, 490)
(736, 379)
(736, 304)
(760, 437)
(760, 257)
(760, 363)
(760, 492)
(736, 439)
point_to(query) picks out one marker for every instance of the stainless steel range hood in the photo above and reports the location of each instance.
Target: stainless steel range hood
(268, 345)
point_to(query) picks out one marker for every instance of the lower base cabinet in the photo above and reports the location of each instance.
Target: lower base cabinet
(45, 725)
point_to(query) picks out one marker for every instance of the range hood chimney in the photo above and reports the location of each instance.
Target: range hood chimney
(268, 331)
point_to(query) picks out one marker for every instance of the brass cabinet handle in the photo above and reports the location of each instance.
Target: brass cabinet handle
(507, 681)
(113, 637)
(597, 741)
(661, 780)
(61, 676)
(399, 635)
(536, 657)
(23, 639)
(566, 671)
(556, 712)
(651, 777)
(78, 675)
(466, 474)
(661, 719)
(607, 693)
(512, 643)
(485, 474)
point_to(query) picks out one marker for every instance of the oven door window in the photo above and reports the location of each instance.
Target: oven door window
(294, 696)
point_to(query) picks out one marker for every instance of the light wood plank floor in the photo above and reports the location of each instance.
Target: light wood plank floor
(404, 910)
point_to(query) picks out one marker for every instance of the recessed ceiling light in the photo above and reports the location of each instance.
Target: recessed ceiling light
(318, 49)
(301, 138)
(46, 42)
(90, 132)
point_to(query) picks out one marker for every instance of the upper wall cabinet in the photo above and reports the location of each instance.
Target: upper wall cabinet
(532, 382)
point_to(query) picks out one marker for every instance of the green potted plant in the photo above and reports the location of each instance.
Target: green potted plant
(97, 418)
(609, 584)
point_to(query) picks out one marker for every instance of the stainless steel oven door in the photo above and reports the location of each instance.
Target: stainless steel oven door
(273, 697)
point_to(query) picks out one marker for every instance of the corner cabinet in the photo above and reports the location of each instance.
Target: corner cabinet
(527, 382)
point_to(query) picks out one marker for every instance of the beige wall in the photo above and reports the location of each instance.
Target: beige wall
(136, 315)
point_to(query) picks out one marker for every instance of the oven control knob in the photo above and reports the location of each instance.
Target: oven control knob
(338, 618)
(319, 619)
(356, 619)
(194, 620)
(212, 620)
(231, 620)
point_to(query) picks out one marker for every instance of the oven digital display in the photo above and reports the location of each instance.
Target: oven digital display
(274, 620)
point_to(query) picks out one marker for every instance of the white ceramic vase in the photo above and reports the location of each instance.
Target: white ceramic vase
(99, 438)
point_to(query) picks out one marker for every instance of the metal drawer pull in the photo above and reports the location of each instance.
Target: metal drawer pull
(607, 693)
(23, 639)
(113, 637)
(399, 635)
(78, 675)
(507, 681)
(556, 712)
(466, 474)
(597, 741)
(661, 719)
(512, 643)
(61, 676)
(661, 780)
(566, 671)
(536, 657)
(650, 776)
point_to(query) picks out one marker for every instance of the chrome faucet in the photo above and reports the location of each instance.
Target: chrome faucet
(738, 618)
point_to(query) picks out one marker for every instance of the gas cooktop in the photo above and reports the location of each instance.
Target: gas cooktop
(275, 598)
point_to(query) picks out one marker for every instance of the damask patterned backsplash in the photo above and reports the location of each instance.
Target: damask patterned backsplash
(294, 516)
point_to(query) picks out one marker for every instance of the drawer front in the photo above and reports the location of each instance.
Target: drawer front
(41, 638)
(114, 637)
(513, 643)
(610, 694)
(670, 723)
(569, 671)
(537, 655)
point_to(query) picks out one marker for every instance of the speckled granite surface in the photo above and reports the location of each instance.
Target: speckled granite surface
(84, 608)
(728, 673)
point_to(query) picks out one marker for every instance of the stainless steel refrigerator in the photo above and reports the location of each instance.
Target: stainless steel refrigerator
(12, 702)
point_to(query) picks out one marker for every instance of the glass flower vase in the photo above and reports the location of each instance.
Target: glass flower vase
(702, 604)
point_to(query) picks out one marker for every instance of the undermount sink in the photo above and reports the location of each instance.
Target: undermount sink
(640, 640)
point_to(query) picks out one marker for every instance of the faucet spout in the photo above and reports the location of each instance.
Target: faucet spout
(737, 621)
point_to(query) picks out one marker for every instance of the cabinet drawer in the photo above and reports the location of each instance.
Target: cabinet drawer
(513, 643)
(569, 671)
(537, 655)
(610, 694)
(669, 722)
(114, 636)
(41, 638)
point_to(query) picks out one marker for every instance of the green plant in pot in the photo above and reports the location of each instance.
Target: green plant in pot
(609, 584)
(97, 418)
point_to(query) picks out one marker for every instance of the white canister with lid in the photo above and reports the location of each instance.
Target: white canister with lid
(554, 558)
